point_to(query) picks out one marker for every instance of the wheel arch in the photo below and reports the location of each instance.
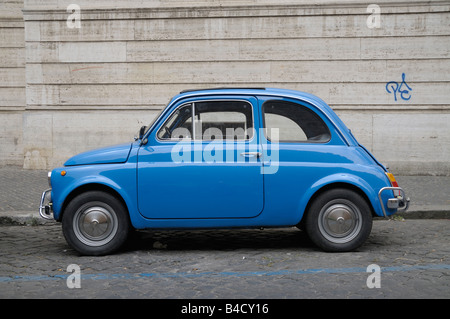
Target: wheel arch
(342, 185)
(334, 185)
(91, 187)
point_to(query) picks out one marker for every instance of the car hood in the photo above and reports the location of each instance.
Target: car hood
(105, 155)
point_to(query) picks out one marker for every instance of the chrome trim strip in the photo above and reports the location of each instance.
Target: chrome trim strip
(193, 122)
(251, 154)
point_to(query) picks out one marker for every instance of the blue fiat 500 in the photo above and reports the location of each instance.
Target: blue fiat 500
(223, 158)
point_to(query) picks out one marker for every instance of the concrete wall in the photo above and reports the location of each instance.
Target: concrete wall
(96, 85)
(12, 82)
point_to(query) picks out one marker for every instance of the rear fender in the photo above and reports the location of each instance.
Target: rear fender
(346, 181)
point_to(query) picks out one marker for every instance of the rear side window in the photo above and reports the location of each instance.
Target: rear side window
(295, 123)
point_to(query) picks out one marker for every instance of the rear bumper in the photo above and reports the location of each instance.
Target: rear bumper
(400, 202)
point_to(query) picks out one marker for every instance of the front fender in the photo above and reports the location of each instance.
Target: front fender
(120, 179)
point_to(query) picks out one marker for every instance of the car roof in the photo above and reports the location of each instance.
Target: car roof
(254, 91)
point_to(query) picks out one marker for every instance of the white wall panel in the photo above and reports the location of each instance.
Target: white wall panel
(132, 56)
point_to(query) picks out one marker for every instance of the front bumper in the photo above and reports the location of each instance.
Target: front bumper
(45, 207)
(400, 202)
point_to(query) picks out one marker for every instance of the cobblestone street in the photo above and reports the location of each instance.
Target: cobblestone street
(270, 263)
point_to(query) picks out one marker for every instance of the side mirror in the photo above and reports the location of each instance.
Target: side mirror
(142, 131)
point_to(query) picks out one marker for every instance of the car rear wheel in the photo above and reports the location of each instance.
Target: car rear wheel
(95, 223)
(339, 220)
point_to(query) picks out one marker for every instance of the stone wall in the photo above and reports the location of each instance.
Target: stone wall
(12, 82)
(96, 85)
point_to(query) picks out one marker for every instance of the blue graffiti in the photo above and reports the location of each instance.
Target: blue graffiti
(400, 89)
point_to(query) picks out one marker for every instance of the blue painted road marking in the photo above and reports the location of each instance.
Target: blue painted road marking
(286, 272)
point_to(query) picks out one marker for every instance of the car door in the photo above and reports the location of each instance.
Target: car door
(202, 162)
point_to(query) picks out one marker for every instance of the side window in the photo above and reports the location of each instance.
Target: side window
(223, 120)
(295, 123)
(213, 120)
(178, 126)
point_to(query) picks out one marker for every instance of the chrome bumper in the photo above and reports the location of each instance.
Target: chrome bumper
(400, 202)
(45, 207)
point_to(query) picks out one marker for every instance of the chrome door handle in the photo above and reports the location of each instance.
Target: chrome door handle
(251, 154)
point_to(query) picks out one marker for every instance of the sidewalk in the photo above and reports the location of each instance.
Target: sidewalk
(20, 193)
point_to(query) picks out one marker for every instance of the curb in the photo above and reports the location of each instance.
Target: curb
(31, 218)
(23, 218)
(431, 214)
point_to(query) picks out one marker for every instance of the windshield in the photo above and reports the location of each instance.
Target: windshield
(154, 119)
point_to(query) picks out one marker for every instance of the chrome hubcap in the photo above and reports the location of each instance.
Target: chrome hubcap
(340, 221)
(95, 225)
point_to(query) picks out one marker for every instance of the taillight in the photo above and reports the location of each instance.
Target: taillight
(392, 179)
(393, 183)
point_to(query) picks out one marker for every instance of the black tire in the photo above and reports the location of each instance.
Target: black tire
(95, 223)
(339, 220)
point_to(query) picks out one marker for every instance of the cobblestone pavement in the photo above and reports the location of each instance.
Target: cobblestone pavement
(271, 263)
(20, 190)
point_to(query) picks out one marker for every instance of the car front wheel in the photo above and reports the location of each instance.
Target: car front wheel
(95, 223)
(339, 220)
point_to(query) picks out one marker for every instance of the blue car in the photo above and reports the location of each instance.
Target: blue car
(226, 158)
